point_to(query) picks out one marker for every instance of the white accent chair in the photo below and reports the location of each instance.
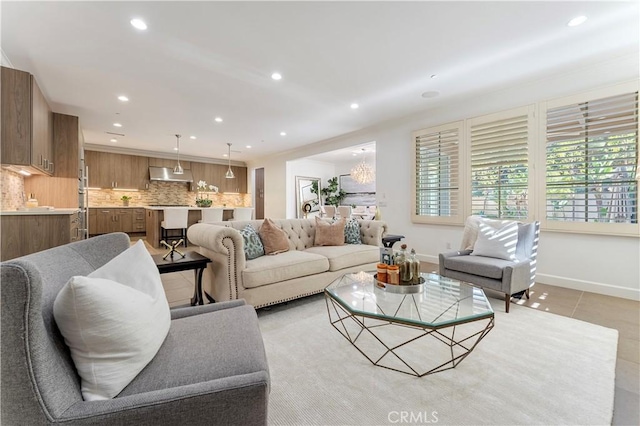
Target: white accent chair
(344, 212)
(242, 213)
(175, 218)
(212, 214)
(328, 211)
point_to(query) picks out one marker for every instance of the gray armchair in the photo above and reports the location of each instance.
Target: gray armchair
(211, 368)
(506, 276)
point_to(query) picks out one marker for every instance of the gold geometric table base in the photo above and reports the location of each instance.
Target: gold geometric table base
(387, 343)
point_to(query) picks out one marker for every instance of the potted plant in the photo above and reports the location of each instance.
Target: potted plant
(202, 198)
(332, 195)
(125, 200)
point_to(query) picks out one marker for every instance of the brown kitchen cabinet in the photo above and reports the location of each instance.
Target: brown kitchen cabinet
(27, 123)
(25, 233)
(109, 170)
(104, 220)
(67, 138)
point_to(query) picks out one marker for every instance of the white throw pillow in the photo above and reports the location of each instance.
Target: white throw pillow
(497, 242)
(114, 321)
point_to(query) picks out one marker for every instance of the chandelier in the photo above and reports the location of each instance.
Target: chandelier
(178, 170)
(229, 174)
(362, 172)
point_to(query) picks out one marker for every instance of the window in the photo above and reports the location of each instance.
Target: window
(437, 174)
(591, 161)
(500, 164)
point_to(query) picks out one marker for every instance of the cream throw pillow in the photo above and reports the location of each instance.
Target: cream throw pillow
(329, 234)
(114, 321)
(274, 239)
(498, 243)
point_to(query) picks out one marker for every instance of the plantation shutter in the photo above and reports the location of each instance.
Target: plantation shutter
(499, 167)
(591, 161)
(437, 169)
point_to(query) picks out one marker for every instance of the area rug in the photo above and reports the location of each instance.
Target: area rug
(532, 368)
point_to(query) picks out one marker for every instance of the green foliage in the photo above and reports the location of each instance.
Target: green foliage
(125, 198)
(332, 195)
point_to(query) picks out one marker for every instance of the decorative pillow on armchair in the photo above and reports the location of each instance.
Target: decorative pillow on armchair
(114, 321)
(497, 242)
(329, 234)
(274, 239)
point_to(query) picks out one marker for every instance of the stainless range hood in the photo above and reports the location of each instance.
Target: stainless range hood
(166, 174)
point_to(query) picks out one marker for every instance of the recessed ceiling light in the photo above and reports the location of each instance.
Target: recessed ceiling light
(430, 94)
(355, 106)
(283, 133)
(117, 125)
(175, 148)
(248, 146)
(123, 98)
(225, 155)
(114, 140)
(276, 76)
(218, 119)
(354, 154)
(192, 137)
(138, 23)
(577, 21)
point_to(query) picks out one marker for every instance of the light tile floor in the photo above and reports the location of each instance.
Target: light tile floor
(620, 314)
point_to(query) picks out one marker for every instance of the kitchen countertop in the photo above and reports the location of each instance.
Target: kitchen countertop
(37, 212)
(159, 207)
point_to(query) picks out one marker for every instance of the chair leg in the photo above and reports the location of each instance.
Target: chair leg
(184, 237)
(527, 293)
(507, 300)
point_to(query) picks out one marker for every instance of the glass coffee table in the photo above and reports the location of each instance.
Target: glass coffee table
(417, 330)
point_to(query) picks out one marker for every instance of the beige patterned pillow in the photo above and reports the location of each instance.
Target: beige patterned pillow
(329, 234)
(274, 239)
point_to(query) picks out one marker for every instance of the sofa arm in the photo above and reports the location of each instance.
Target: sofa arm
(220, 401)
(225, 247)
(183, 312)
(371, 231)
(443, 256)
(518, 277)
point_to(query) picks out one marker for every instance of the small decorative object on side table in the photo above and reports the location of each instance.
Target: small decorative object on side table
(172, 248)
(190, 261)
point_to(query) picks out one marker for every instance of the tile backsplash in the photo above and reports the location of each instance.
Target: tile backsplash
(163, 193)
(12, 190)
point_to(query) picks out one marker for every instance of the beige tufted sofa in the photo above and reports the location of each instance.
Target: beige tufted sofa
(304, 270)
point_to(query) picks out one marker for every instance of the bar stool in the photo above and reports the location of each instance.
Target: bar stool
(242, 213)
(175, 218)
(210, 215)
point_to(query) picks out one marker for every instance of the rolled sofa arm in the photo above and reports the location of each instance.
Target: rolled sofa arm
(225, 247)
(371, 231)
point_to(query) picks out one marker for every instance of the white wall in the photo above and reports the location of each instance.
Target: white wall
(603, 264)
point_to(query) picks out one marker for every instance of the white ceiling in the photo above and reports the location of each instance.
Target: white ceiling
(199, 60)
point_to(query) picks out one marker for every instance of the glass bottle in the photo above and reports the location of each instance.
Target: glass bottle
(415, 267)
(402, 260)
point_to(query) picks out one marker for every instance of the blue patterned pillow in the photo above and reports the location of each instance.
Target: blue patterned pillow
(253, 247)
(352, 232)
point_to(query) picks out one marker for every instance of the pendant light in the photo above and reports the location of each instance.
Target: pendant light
(178, 170)
(229, 174)
(362, 172)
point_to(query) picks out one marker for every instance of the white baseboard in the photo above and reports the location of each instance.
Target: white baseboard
(581, 285)
(590, 286)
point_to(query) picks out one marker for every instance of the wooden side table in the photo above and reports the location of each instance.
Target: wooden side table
(192, 261)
